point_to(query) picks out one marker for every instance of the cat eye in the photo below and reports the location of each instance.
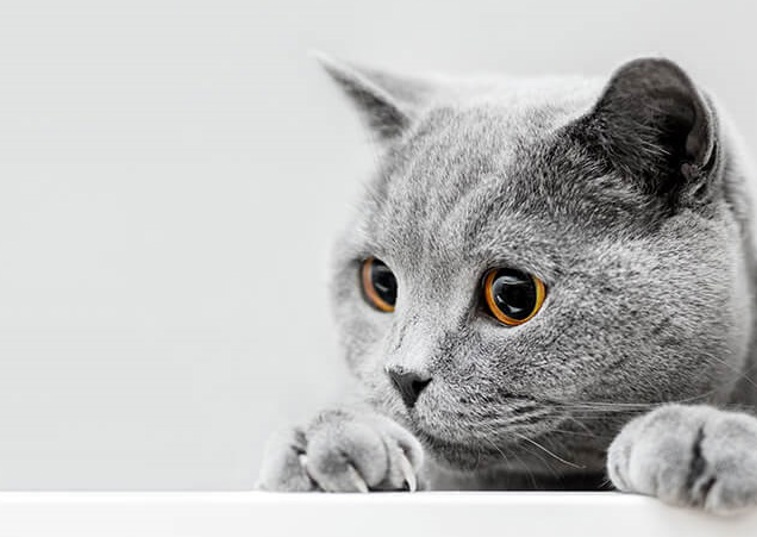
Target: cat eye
(379, 284)
(512, 296)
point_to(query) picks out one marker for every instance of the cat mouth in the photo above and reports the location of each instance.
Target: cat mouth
(459, 455)
(504, 429)
(438, 444)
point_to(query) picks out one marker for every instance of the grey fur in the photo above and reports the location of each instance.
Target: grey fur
(630, 199)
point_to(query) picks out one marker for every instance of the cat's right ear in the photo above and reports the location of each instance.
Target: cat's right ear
(388, 103)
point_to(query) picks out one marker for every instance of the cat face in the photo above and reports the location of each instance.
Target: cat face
(618, 216)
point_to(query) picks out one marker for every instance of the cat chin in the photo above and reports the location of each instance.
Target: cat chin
(461, 457)
(492, 467)
(482, 458)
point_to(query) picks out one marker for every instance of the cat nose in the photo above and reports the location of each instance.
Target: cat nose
(409, 384)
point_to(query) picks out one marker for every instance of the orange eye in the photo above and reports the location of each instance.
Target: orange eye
(512, 296)
(379, 284)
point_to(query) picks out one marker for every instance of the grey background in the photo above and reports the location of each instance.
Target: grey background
(171, 176)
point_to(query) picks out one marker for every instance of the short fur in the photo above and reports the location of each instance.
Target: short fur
(630, 199)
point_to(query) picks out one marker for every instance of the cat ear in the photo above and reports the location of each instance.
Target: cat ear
(387, 102)
(653, 123)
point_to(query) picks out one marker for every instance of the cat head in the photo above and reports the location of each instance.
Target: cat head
(535, 260)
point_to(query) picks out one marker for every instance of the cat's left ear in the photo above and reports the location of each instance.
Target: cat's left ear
(654, 124)
(388, 103)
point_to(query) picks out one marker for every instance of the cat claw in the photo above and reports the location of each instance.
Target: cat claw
(405, 467)
(356, 479)
(342, 452)
(409, 474)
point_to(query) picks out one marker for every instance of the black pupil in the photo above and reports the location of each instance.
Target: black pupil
(514, 293)
(384, 282)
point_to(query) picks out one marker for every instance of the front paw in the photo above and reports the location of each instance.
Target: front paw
(341, 451)
(696, 456)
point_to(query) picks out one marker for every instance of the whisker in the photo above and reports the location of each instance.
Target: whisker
(610, 406)
(496, 447)
(583, 435)
(742, 374)
(606, 483)
(545, 450)
(529, 471)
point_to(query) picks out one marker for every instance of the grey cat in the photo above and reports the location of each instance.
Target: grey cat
(549, 282)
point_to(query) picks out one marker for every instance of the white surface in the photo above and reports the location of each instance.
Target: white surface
(434, 514)
(171, 176)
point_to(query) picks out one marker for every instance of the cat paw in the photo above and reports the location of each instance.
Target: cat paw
(342, 452)
(695, 456)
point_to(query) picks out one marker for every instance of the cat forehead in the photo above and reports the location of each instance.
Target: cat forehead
(474, 172)
(474, 130)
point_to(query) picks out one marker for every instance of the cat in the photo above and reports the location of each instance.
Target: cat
(549, 284)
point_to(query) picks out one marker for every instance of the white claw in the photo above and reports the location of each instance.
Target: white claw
(357, 480)
(409, 473)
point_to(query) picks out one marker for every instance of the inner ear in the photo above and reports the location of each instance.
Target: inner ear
(652, 115)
